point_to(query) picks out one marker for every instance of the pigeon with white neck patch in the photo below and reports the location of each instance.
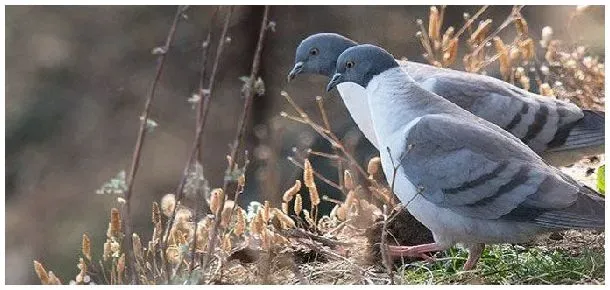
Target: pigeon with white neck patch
(466, 179)
(559, 131)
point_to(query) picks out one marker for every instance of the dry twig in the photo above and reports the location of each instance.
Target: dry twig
(137, 153)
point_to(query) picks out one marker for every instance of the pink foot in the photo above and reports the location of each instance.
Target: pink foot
(474, 253)
(418, 251)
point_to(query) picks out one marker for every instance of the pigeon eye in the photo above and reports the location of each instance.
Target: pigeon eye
(314, 51)
(349, 64)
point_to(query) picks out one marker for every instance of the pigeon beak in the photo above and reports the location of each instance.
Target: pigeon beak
(298, 68)
(337, 79)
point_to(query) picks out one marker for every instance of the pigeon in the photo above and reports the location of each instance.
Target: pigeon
(467, 180)
(559, 131)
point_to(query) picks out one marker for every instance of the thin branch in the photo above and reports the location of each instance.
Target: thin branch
(206, 99)
(205, 45)
(318, 175)
(249, 94)
(338, 161)
(470, 21)
(240, 131)
(137, 153)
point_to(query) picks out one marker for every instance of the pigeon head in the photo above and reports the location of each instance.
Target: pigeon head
(359, 64)
(318, 53)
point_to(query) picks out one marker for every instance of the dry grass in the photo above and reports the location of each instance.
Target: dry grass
(217, 240)
(548, 67)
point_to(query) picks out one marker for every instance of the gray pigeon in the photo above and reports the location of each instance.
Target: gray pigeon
(559, 131)
(466, 179)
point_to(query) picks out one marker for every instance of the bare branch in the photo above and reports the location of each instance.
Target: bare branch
(137, 153)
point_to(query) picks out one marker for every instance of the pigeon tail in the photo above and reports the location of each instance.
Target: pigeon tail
(586, 132)
(587, 212)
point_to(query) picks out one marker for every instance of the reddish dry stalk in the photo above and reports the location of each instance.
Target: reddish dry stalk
(241, 128)
(137, 153)
(206, 100)
(339, 164)
(204, 56)
(318, 175)
(205, 45)
(240, 131)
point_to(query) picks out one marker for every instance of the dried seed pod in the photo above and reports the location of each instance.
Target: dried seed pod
(240, 222)
(172, 254)
(514, 54)
(156, 213)
(115, 248)
(203, 227)
(520, 71)
(546, 90)
(226, 243)
(241, 180)
(183, 215)
(86, 247)
(151, 249)
(314, 196)
(480, 33)
(547, 36)
(551, 51)
(527, 49)
(115, 222)
(137, 246)
(349, 199)
(348, 181)
(521, 25)
(373, 166)
(285, 207)
(308, 218)
(505, 65)
(226, 214)
(308, 174)
(434, 25)
(168, 204)
(447, 36)
(80, 278)
(216, 198)
(469, 64)
(341, 213)
(266, 238)
(298, 204)
(41, 272)
(280, 240)
(257, 225)
(287, 222)
(53, 280)
(450, 52)
(121, 266)
(266, 211)
(525, 82)
(291, 192)
(107, 249)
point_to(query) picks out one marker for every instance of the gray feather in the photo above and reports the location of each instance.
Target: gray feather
(542, 123)
(492, 178)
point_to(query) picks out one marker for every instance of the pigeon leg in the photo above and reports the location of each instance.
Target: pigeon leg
(474, 253)
(418, 251)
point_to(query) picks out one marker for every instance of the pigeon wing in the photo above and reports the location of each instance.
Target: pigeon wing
(540, 122)
(477, 172)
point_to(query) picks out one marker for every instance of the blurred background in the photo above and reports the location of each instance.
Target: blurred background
(76, 82)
